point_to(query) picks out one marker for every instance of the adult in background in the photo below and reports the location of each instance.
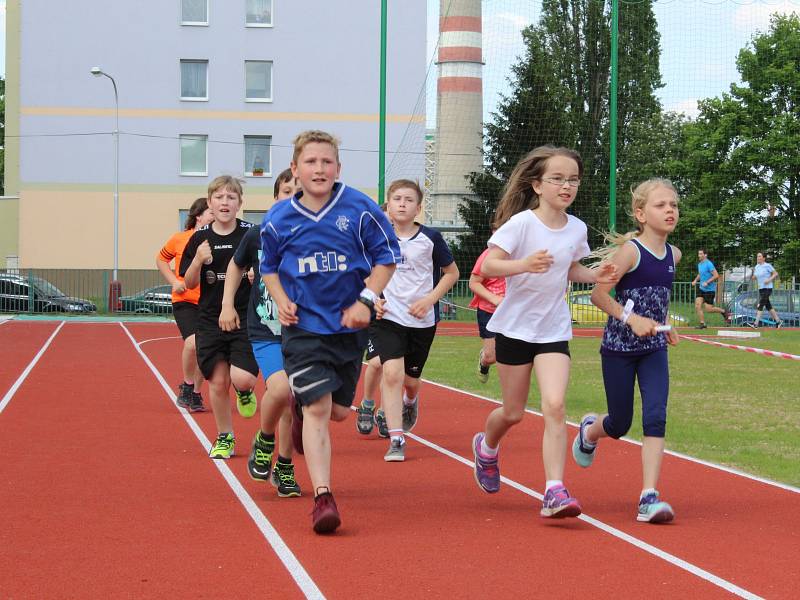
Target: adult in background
(706, 282)
(765, 274)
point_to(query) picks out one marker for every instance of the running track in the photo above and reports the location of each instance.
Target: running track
(107, 492)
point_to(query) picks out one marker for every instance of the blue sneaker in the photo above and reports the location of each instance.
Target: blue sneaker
(653, 510)
(583, 454)
(487, 473)
(559, 504)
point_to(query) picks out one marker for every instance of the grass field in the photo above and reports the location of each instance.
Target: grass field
(726, 406)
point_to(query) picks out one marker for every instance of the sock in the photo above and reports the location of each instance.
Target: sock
(409, 401)
(551, 483)
(367, 403)
(230, 433)
(266, 437)
(284, 461)
(486, 450)
(647, 491)
(397, 435)
(187, 382)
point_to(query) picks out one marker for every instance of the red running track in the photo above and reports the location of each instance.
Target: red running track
(110, 494)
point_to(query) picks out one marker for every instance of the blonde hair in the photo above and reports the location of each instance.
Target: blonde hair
(234, 184)
(398, 184)
(639, 197)
(314, 136)
(518, 194)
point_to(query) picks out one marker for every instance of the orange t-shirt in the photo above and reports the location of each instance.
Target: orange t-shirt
(496, 285)
(174, 249)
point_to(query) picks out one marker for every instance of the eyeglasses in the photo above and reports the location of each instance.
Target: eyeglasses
(560, 181)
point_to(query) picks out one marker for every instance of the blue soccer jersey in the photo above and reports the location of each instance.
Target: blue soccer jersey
(323, 258)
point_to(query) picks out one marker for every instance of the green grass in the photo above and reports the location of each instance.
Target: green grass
(726, 406)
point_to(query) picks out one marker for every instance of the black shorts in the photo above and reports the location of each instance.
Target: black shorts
(763, 299)
(511, 351)
(392, 340)
(185, 314)
(483, 320)
(233, 347)
(319, 364)
(708, 297)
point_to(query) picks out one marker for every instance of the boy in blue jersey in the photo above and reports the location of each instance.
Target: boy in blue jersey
(318, 249)
(402, 337)
(706, 280)
(264, 332)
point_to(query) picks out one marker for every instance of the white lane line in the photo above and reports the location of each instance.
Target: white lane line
(705, 463)
(171, 337)
(287, 557)
(13, 389)
(657, 552)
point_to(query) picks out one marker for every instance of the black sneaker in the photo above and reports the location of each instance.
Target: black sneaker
(259, 463)
(283, 480)
(184, 395)
(196, 403)
(779, 324)
(380, 421)
(701, 326)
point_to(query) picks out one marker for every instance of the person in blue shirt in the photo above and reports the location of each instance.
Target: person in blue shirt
(706, 282)
(765, 274)
(318, 249)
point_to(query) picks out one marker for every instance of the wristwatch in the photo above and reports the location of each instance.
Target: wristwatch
(366, 301)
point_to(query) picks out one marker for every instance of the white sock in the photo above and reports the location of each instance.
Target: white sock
(550, 483)
(647, 491)
(486, 449)
(409, 401)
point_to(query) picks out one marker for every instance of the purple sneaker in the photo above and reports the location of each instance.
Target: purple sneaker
(487, 473)
(559, 504)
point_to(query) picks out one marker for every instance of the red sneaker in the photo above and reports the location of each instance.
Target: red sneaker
(325, 516)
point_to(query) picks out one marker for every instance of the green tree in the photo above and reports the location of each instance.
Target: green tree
(560, 95)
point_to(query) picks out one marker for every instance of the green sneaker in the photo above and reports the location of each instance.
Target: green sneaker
(223, 446)
(259, 463)
(246, 403)
(283, 480)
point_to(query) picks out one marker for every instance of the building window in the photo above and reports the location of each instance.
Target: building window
(194, 155)
(194, 80)
(257, 159)
(259, 13)
(258, 80)
(194, 12)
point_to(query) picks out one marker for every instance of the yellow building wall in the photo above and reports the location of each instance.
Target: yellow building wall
(9, 239)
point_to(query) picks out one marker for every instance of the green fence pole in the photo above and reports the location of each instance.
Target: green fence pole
(382, 117)
(612, 179)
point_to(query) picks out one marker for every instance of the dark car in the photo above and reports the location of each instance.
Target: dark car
(785, 302)
(153, 300)
(23, 293)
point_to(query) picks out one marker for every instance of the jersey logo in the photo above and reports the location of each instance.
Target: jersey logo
(342, 223)
(322, 262)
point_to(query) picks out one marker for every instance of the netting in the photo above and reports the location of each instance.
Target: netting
(708, 96)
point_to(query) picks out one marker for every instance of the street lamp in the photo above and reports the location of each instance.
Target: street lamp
(97, 71)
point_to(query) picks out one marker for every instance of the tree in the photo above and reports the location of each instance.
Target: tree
(560, 95)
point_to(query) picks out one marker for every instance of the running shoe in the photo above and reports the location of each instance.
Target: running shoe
(653, 510)
(184, 399)
(380, 421)
(223, 446)
(325, 517)
(582, 453)
(558, 503)
(246, 403)
(779, 324)
(483, 370)
(753, 325)
(410, 415)
(365, 418)
(196, 403)
(283, 480)
(487, 473)
(259, 462)
(297, 425)
(396, 452)
(701, 326)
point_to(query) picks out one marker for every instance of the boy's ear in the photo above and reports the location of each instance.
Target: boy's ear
(293, 167)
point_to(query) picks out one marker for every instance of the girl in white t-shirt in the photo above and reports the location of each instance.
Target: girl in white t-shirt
(537, 247)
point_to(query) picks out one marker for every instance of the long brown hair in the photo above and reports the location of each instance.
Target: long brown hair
(197, 208)
(518, 195)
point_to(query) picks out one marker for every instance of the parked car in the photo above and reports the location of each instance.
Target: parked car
(584, 312)
(23, 293)
(785, 302)
(157, 300)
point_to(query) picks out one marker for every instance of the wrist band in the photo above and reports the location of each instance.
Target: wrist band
(368, 294)
(627, 310)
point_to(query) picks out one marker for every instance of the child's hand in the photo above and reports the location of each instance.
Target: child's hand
(228, 318)
(672, 337)
(642, 326)
(179, 287)
(251, 275)
(287, 314)
(607, 274)
(204, 253)
(538, 262)
(356, 316)
(497, 300)
(381, 308)
(420, 308)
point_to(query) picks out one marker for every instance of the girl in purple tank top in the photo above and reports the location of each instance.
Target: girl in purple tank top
(635, 339)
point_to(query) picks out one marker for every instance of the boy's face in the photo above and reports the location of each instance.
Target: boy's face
(403, 206)
(224, 203)
(287, 189)
(316, 170)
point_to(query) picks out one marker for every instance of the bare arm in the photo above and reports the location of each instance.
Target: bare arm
(228, 317)
(421, 307)
(480, 290)
(498, 264)
(192, 276)
(169, 276)
(358, 315)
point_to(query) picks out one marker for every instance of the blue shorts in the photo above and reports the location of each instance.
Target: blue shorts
(483, 321)
(268, 356)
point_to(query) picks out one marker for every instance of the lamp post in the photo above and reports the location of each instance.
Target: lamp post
(97, 71)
